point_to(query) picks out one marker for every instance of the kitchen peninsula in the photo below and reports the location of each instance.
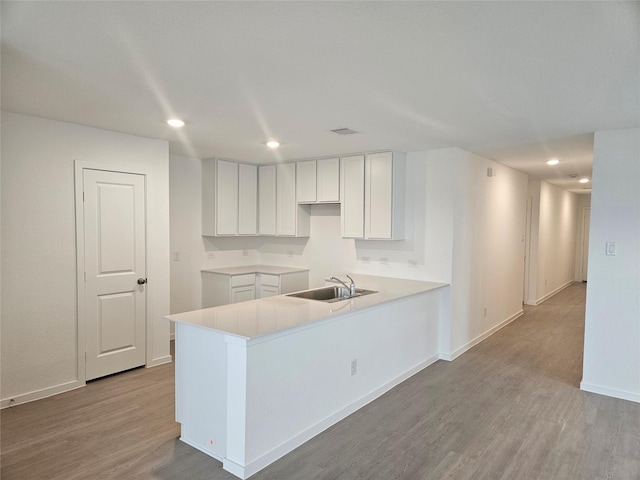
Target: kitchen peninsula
(256, 379)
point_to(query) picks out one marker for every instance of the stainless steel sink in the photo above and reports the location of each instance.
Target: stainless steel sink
(330, 294)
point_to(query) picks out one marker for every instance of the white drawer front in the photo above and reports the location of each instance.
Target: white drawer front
(247, 279)
(273, 280)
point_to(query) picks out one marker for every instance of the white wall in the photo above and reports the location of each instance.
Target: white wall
(186, 242)
(39, 322)
(612, 326)
(554, 223)
(475, 241)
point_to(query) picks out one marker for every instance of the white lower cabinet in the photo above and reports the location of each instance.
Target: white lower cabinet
(242, 294)
(219, 287)
(268, 285)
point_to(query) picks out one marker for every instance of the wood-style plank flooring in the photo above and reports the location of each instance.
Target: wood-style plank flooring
(510, 408)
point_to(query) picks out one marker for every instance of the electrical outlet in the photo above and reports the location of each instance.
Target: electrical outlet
(485, 311)
(384, 261)
(211, 255)
(413, 263)
(354, 366)
(176, 256)
(366, 259)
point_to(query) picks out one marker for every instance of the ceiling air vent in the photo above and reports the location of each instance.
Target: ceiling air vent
(344, 131)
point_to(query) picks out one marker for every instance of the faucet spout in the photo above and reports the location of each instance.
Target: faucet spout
(351, 287)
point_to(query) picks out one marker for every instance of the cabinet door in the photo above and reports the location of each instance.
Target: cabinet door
(267, 200)
(328, 180)
(243, 294)
(306, 181)
(268, 291)
(379, 195)
(247, 199)
(352, 194)
(226, 198)
(286, 199)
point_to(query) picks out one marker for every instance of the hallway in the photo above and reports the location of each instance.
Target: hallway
(510, 408)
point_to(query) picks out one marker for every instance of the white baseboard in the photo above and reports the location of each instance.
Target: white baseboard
(63, 387)
(278, 452)
(610, 392)
(40, 394)
(557, 290)
(159, 361)
(198, 447)
(453, 355)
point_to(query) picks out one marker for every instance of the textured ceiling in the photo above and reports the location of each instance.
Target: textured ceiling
(518, 82)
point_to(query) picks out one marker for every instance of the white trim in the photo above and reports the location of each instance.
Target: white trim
(197, 446)
(584, 235)
(610, 392)
(159, 361)
(40, 394)
(452, 356)
(79, 166)
(278, 452)
(551, 294)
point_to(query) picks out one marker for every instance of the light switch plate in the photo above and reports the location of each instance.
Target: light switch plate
(611, 248)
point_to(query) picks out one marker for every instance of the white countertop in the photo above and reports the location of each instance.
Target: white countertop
(267, 316)
(268, 269)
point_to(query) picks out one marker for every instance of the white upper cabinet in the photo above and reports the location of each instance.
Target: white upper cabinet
(226, 198)
(318, 181)
(306, 181)
(384, 196)
(352, 194)
(219, 197)
(267, 200)
(292, 220)
(247, 199)
(229, 198)
(328, 180)
(372, 189)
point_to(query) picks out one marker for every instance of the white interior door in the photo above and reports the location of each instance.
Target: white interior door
(586, 218)
(115, 271)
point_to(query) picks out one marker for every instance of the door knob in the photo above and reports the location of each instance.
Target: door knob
(142, 281)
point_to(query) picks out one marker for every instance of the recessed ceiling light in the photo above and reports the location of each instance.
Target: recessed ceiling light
(553, 161)
(175, 122)
(584, 180)
(273, 144)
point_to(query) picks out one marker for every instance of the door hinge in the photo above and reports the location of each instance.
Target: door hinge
(85, 277)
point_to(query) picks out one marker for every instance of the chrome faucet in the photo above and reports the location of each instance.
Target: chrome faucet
(351, 287)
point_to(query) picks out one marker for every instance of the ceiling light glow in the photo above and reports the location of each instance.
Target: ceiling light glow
(273, 144)
(584, 180)
(175, 122)
(553, 161)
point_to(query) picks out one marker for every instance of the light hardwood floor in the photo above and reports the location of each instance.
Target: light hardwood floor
(510, 408)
